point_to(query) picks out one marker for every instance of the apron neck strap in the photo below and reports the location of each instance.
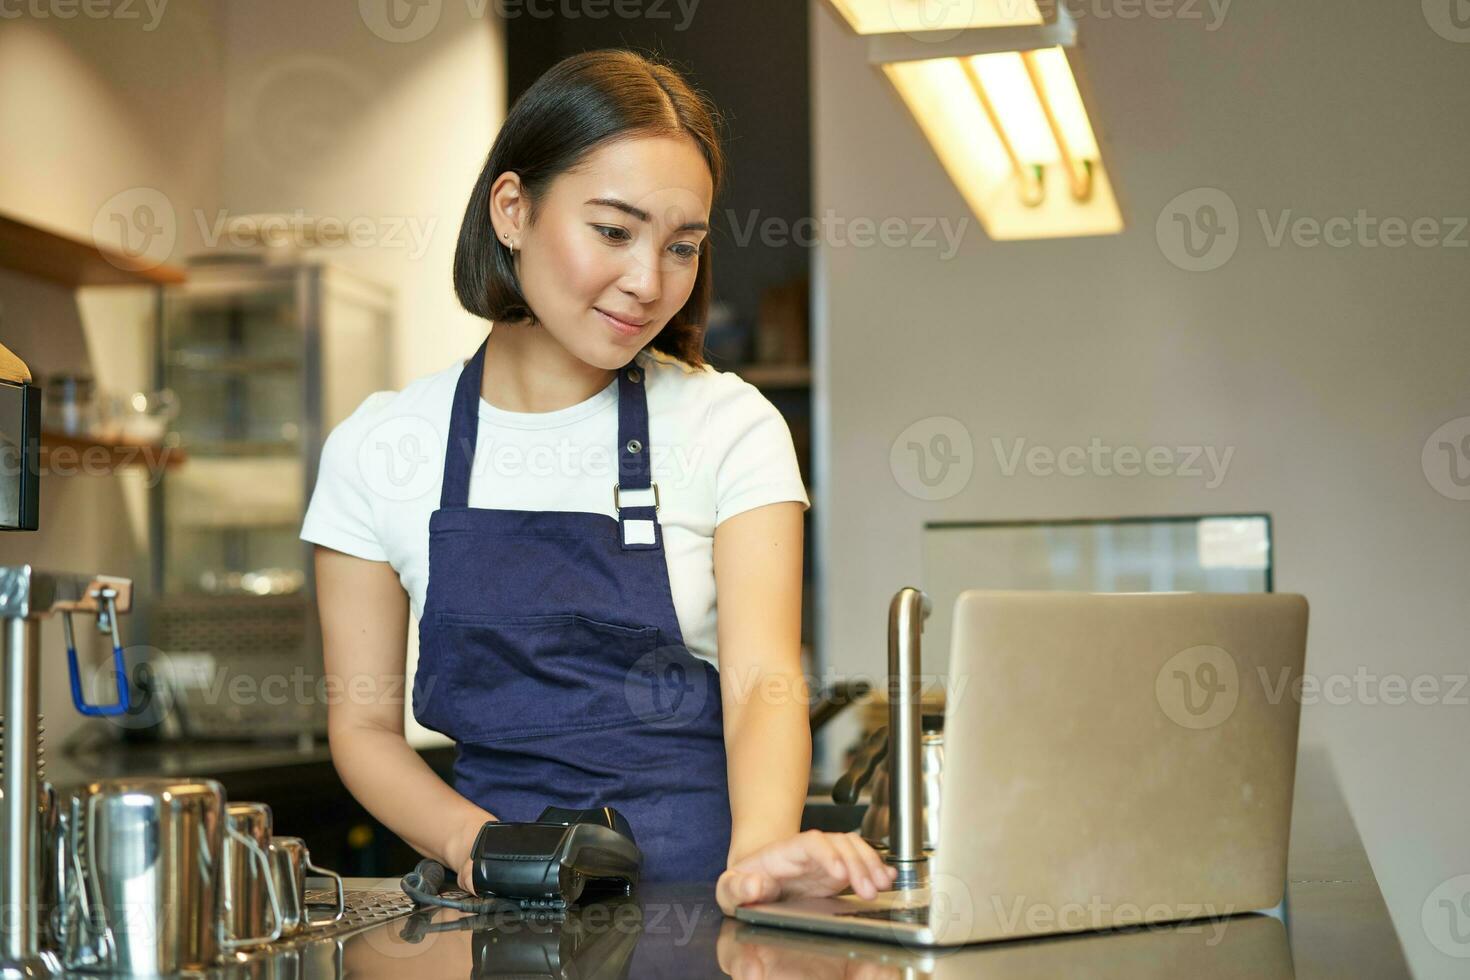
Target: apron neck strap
(637, 525)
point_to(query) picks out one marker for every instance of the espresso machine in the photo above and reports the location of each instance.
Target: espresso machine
(28, 595)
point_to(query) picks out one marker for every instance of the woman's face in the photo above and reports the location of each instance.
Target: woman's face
(621, 235)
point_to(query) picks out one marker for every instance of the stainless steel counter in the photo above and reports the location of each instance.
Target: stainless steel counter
(1335, 925)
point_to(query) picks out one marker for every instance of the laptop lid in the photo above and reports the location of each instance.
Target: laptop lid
(1115, 758)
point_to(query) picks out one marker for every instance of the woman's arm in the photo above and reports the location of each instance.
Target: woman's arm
(364, 616)
(768, 742)
(768, 735)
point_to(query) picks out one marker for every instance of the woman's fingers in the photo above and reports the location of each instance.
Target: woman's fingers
(736, 888)
(811, 863)
(467, 877)
(883, 872)
(858, 873)
(823, 854)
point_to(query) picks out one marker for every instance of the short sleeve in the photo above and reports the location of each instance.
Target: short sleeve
(340, 514)
(758, 465)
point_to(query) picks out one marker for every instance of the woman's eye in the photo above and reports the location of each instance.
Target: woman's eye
(685, 251)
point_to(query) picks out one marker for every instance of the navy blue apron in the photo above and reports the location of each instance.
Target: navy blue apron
(550, 651)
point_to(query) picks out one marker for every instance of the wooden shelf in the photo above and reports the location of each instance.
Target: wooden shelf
(72, 262)
(86, 456)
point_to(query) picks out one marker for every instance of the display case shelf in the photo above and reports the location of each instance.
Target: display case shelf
(253, 448)
(192, 361)
(106, 455)
(266, 359)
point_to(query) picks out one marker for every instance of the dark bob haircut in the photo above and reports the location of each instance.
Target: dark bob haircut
(579, 104)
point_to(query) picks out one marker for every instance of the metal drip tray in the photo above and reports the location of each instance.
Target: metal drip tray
(365, 909)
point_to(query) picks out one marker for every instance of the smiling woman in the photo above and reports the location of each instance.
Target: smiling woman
(608, 148)
(617, 241)
(568, 635)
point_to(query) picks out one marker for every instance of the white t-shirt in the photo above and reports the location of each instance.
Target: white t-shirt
(719, 447)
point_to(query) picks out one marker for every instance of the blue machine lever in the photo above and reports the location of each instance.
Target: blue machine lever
(109, 596)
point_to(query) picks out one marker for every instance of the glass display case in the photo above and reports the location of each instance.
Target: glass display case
(1170, 553)
(265, 360)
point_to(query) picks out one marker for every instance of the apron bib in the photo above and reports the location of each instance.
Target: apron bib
(550, 651)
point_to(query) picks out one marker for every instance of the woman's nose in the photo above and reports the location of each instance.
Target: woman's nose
(643, 276)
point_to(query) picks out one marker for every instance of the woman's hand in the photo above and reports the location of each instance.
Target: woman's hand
(748, 956)
(461, 846)
(811, 864)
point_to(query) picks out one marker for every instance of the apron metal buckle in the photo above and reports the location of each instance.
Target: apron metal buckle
(617, 501)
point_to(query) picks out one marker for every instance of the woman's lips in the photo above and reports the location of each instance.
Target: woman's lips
(622, 327)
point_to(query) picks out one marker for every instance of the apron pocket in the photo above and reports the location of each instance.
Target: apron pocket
(500, 679)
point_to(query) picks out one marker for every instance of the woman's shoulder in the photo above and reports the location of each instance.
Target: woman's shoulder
(704, 384)
(719, 413)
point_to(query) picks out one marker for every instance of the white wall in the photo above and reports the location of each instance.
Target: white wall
(1324, 369)
(324, 115)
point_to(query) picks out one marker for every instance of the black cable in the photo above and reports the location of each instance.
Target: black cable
(424, 882)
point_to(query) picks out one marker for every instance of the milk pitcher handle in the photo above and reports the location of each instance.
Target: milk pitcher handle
(81, 927)
(341, 896)
(256, 852)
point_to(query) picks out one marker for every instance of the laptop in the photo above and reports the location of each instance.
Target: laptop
(1110, 760)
